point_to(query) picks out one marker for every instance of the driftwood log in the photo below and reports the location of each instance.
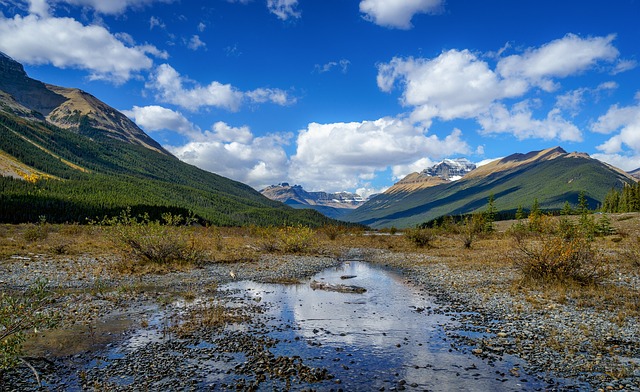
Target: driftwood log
(341, 288)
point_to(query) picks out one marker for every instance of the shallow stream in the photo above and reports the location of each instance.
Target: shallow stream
(391, 337)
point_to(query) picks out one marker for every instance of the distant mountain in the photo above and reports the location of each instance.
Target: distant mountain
(635, 173)
(552, 176)
(332, 205)
(68, 156)
(441, 173)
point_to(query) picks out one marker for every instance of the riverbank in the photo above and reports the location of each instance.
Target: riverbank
(588, 336)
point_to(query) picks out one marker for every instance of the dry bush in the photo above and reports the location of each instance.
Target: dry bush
(420, 237)
(287, 239)
(333, 231)
(156, 242)
(549, 256)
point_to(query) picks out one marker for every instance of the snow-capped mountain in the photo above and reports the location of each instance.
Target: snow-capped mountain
(330, 204)
(450, 169)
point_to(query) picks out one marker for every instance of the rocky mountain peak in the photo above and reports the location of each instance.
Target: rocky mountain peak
(450, 169)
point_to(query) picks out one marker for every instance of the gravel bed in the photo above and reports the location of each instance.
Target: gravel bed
(566, 341)
(555, 339)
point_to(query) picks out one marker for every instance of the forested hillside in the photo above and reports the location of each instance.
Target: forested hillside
(95, 175)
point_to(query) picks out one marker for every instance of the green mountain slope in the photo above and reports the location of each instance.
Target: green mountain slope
(551, 176)
(103, 163)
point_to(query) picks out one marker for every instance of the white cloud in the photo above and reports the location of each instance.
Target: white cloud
(624, 162)
(259, 161)
(397, 13)
(283, 9)
(520, 123)
(367, 191)
(342, 155)
(460, 84)
(343, 65)
(401, 171)
(559, 58)
(196, 43)
(573, 100)
(223, 132)
(156, 22)
(157, 118)
(616, 118)
(170, 87)
(111, 6)
(625, 121)
(624, 66)
(456, 84)
(66, 43)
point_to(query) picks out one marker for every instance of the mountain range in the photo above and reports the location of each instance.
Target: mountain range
(333, 205)
(552, 177)
(68, 156)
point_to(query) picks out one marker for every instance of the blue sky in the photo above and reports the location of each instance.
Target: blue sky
(346, 94)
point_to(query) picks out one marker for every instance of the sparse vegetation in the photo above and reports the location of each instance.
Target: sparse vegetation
(553, 254)
(22, 314)
(422, 238)
(160, 242)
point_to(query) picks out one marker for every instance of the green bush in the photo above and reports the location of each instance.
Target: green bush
(20, 315)
(297, 239)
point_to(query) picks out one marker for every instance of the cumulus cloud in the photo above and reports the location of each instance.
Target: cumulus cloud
(460, 84)
(395, 13)
(559, 58)
(66, 43)
(284, 9)
(109, 7)
(234, 152)
(626, 122)
(624, 162)
(342, 155)
(520, 123)
(456, 84)
(172, 88)
(157, 118)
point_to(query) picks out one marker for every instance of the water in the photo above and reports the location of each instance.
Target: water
(386, 337)
(392, 336)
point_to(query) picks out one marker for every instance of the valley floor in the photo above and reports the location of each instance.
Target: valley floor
(570, 336)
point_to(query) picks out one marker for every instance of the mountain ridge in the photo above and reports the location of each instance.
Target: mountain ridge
(65, 107)
(333, 205)
(552, 176)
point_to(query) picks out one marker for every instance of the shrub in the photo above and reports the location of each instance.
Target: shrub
(37, 232)
(296, 239)
(156, 242)
(287, 239)
(333, 231)
(19, 315)
(420, 237)
(549, 256)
